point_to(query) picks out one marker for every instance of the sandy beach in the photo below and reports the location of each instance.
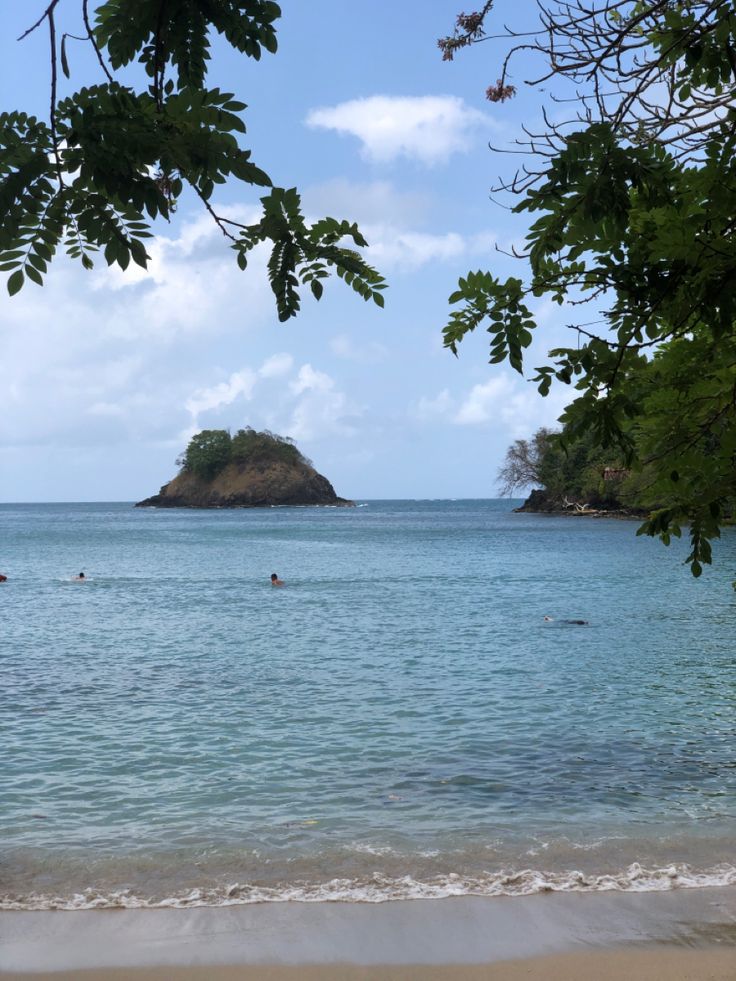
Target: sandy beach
(659, 965)
(683, 935)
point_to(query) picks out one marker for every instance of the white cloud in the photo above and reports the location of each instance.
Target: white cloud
(96, 358)
(323, 412)
(504, 403)
(239, 385)
(303, 403)
(388, 218)
(430, 409)
(511, 404)
(391, 248)
(427, 128)
(484, 401)
(309, 380)
(371, 201)
(345, 347)
(192, 284)
(276, 366)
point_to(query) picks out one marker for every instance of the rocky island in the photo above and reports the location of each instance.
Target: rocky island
(250, 469)
(573, 475)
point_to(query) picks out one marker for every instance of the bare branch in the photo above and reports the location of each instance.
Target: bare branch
(91, 36)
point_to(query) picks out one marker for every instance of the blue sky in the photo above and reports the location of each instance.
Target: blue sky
(106, 375)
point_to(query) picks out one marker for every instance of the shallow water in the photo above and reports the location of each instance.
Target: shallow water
(399, 720)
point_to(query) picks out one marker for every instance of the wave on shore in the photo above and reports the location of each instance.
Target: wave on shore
(382, 888)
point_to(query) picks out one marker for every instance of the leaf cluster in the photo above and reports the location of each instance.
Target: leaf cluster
(112, 159)
(154, 33)
(304, 255)
(646, 236)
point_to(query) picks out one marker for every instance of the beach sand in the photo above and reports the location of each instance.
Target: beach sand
(650, 965)
(682, 935)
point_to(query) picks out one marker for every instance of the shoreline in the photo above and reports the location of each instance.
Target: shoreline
(460, 938)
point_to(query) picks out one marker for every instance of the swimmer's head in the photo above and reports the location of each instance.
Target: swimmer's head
(274, 577)
(81, 575)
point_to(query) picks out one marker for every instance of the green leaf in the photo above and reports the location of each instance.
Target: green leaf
(34, 275)
(15, 282)
(138, 252)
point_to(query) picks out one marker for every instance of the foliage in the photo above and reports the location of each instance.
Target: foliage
(211, 450)
(632, 206)
(111, 158)
(249, 445)
(208, 453)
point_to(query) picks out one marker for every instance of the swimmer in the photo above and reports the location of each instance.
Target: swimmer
(579, 623)
(275, 581)
(3, 577)
(80, 578)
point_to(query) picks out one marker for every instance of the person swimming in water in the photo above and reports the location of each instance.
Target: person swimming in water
(579, 623)
(80, 578)
(275, 581)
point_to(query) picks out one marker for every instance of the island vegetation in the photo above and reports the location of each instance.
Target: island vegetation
(577, 477)
(249, 469)
(211, 450)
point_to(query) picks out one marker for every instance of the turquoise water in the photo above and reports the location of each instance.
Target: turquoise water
(399, 720)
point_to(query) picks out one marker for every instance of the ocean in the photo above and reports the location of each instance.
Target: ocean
(399, 721)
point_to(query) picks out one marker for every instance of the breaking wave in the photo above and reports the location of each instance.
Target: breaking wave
(383, 888)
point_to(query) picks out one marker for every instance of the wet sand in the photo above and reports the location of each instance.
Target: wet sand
(683, 935)
(660, 965)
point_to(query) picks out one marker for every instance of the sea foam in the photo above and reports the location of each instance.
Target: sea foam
(381, 888)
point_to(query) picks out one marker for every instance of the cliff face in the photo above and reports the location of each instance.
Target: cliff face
(255, 483)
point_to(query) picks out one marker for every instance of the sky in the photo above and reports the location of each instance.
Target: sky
(106, 375)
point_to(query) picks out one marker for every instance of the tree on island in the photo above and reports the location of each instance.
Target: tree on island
(112, 157)
(633, 198)
(211, 450)
(208, 453)
(522, 466)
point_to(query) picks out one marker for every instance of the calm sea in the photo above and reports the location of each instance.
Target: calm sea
(398, 721)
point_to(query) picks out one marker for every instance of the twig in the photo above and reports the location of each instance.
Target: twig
(52, 115)
(90, 34)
